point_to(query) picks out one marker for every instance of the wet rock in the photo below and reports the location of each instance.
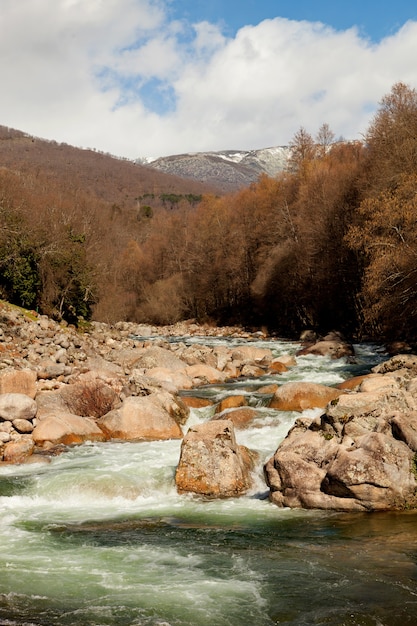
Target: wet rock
(194, 402)
(211, 462)
(231, 402)
(240, 417)
(202, 374)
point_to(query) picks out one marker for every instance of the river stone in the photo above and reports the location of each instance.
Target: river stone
(171, 380)
(231, 402)
(194, 402)
(66, 428)
(202, 374)
(335, 349)
(299, 396)
(18, 451)
(23, 426)
(142, 418)
(240, 417)
(17, 406)
(211, 463)
(18, 381)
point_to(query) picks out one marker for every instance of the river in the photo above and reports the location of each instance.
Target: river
(99, 536)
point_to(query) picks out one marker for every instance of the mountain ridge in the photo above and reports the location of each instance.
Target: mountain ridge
(229, 170)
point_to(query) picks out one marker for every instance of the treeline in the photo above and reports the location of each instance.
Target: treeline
(329, 244)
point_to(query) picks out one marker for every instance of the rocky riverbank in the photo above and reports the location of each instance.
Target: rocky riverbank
(61, 386)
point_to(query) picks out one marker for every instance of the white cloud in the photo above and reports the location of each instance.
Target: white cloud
(76, 70)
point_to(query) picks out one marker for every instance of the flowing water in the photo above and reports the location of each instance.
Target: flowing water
(100, 537)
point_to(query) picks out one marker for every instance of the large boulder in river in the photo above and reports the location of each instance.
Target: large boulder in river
(299, 396)
(358, 456)
(142, 418)
(211, 462)
(66, 428)
(335, 349)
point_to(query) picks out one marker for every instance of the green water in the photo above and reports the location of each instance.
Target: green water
(100, 537)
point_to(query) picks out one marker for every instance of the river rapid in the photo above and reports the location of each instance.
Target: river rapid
(100, 537)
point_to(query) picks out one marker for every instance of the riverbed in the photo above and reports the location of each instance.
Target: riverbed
(99, 536)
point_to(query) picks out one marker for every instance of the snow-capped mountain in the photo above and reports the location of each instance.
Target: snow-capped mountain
(228, 169)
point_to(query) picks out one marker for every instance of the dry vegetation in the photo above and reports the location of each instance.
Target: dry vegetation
(331, 243)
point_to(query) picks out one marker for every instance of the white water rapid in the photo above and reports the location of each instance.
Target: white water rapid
(99, 536)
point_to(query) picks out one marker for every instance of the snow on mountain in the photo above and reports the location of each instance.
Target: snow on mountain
(227, 169)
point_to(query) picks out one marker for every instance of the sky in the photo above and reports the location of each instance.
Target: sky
(149, 78)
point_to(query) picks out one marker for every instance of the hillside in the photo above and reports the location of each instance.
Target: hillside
(110, 179)
(228, 170)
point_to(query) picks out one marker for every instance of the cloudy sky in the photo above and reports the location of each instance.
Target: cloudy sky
(158, 77)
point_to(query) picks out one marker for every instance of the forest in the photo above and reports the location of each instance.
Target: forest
(329, 244)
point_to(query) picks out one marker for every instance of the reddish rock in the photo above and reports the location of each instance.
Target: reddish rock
(231, 402)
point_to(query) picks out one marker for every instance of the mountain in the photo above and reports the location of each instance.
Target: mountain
(228, 170)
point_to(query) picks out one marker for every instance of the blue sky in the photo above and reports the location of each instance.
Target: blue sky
(374, 19)
(157, 77)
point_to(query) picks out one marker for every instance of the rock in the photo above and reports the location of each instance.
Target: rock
(240, 417)
(17, 406)
(354, 382)
(398, 362)
(169, 379)
(18, 381)
(66, 428)
(23, 426)
(194, 402)
(335, 349)
(378, 382)
(231, 402)
(252, 354)
(202, 374)
(89, 398)
(358, 456)
(18, 451)
(299, 396)
(277, 367)
(140, 418)
(211, 462)
(147, 358)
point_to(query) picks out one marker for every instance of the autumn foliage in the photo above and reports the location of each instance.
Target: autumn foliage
(331, 243)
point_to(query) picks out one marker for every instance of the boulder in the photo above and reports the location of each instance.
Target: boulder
(66, 428)
(194, 402)
(147, 358)
(202, 374)
(211, 462)
(358, 456)
(252, 354)
(335, 349)
(231, 402)
(240, 417)
(171, 380)
(17, 406)
(18, 381)
(299, 396)
(143, 418)
(18, 451)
